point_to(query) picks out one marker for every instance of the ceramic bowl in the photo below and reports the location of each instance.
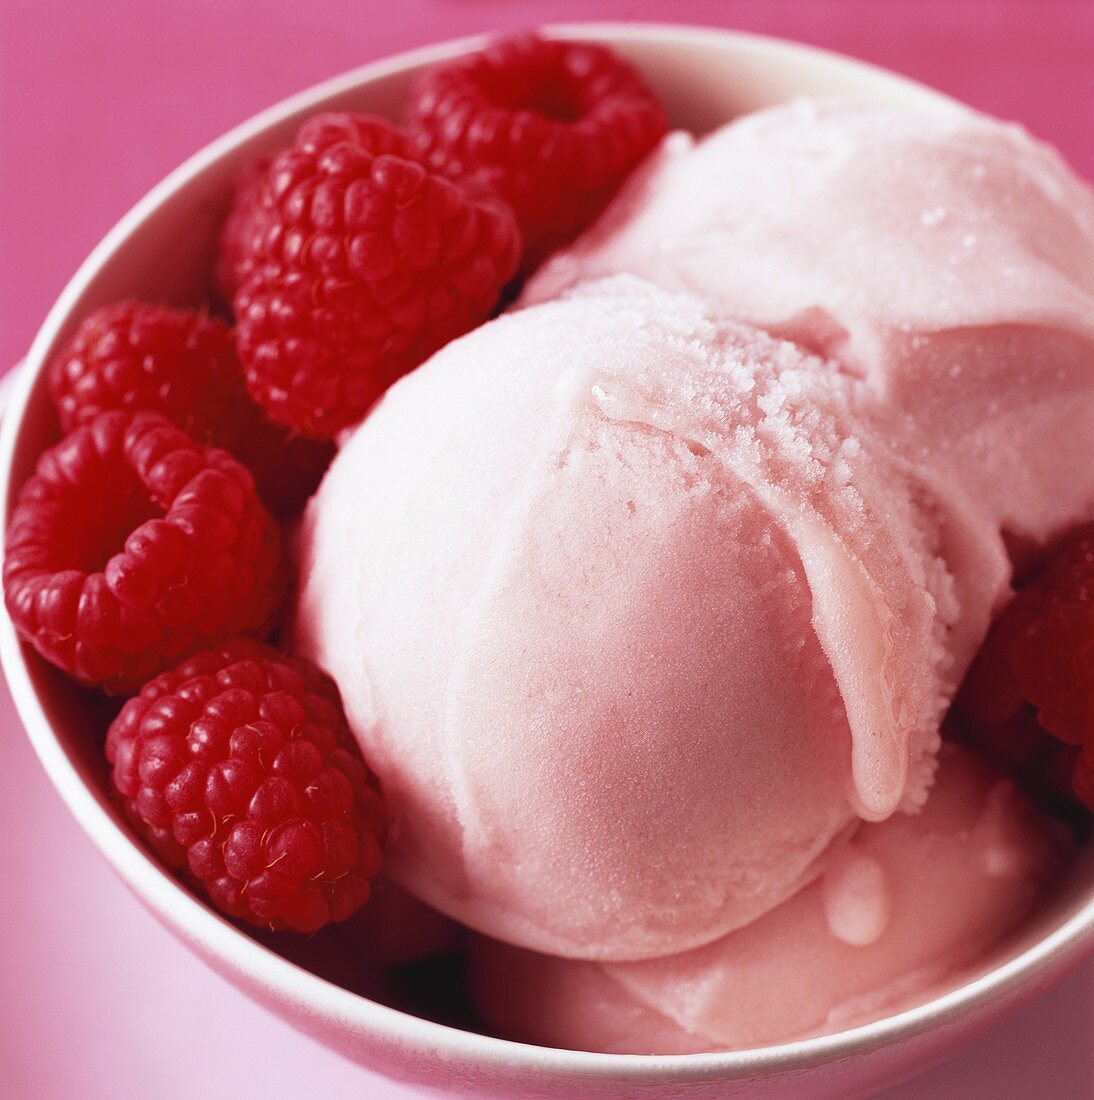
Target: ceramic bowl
(162, 250)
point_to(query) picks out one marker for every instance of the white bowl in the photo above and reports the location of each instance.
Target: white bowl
(162, 250)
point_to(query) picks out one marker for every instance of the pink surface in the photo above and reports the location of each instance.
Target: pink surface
(97, 103)
(865, 938)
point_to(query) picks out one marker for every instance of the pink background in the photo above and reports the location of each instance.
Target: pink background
(97, 103)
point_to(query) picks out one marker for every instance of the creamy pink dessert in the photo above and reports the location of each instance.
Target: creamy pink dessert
(905, 905)
(644, 597)
(516, 574)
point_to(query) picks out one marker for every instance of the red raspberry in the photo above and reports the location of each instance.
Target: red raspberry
(1036, 668)
(238, 768)
(555, 127)
(132, 546)
(182, 364)
(359, 263)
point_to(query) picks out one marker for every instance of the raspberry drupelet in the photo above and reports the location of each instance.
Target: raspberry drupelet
(238, 769)
(135, 355)
(132, 545)
(354, 263)
(554, 127)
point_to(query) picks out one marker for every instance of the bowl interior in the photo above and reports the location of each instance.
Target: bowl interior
(162, 251)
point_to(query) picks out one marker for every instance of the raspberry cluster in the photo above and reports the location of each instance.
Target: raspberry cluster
(554, 127)
(353, 263)
(133, 545)
(239, 769)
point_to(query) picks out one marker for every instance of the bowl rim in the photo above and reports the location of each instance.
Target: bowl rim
(233, 951)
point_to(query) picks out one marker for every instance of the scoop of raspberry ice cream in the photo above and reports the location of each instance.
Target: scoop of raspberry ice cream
(568, 577)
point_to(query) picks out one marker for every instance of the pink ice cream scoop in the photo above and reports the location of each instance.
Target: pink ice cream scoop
(592, 581)
(576, 644)
(901, 908)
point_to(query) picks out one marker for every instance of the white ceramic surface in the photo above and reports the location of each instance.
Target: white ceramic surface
(162, 251)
